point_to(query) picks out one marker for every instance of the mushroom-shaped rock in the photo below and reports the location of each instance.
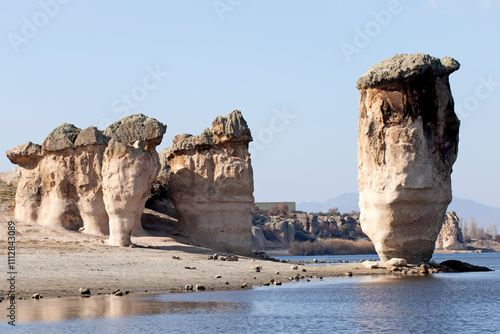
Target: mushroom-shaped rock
(127, 176)
(62, 181)
(407, 144)
(211, 184)
(89, 151)
(28, 195)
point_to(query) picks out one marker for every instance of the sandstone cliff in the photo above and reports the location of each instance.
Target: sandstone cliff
(90, 179)
(450, 237)
(210, 183)
(407, 144)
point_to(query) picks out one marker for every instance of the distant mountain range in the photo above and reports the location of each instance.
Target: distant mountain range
(466, 208)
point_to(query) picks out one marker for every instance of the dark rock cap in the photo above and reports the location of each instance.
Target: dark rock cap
(24, 154)
(62, 137)
(232, 127)
(136, 127)
(91, 136)
(404, 67)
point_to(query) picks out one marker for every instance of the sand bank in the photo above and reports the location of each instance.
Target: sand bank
(57, 262)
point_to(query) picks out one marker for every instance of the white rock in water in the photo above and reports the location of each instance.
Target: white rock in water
(370, 264)
(397, 262)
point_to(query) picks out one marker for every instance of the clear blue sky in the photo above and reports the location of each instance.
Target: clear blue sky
(76, 61)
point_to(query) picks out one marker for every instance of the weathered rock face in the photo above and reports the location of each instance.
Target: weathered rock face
(313, 224)
(90, 178)
(258, 239)
(127, 177)
(284, 230)
(308, 223)
(211, 184)
(450, 237)
(407, 144)
(278, 233)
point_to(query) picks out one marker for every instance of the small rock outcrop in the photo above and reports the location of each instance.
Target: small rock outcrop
(461, 267)
(284, 231)
(450, 237)
(407, 144)
(11, 178)
(88, 178)
(210, 183)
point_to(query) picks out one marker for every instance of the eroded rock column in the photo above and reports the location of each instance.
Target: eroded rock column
(211, 184)
(78, 178)
(89, 151)
(127, 177)
(407, 144)
(28, 194)
(450, 237)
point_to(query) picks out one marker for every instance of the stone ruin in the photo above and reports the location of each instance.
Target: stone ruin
(99, 181)
(407, 144)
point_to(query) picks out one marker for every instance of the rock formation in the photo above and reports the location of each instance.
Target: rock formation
(210, 181)
(277, 234)
(407, 144)
(89, 178)
(450, 237)
(283, 230)
(307, 222)
(259, 241)
(11, 178)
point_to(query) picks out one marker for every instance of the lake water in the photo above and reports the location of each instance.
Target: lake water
(439, 303)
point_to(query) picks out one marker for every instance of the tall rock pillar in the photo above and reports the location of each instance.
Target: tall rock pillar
(407, 144)
(211, 184)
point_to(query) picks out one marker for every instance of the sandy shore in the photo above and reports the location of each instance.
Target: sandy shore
(57, 262)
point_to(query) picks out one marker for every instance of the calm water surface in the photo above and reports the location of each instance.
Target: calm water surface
(439, 303)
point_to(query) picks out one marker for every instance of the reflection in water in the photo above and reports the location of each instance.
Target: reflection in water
(440, 303)
(385, 303)
(391, 303)
(59, 309)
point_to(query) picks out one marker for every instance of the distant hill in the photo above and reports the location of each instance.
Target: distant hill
(482, 213)
(346, 203)
(466, 208)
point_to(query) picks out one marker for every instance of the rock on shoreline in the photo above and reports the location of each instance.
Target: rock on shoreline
(407, 144)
